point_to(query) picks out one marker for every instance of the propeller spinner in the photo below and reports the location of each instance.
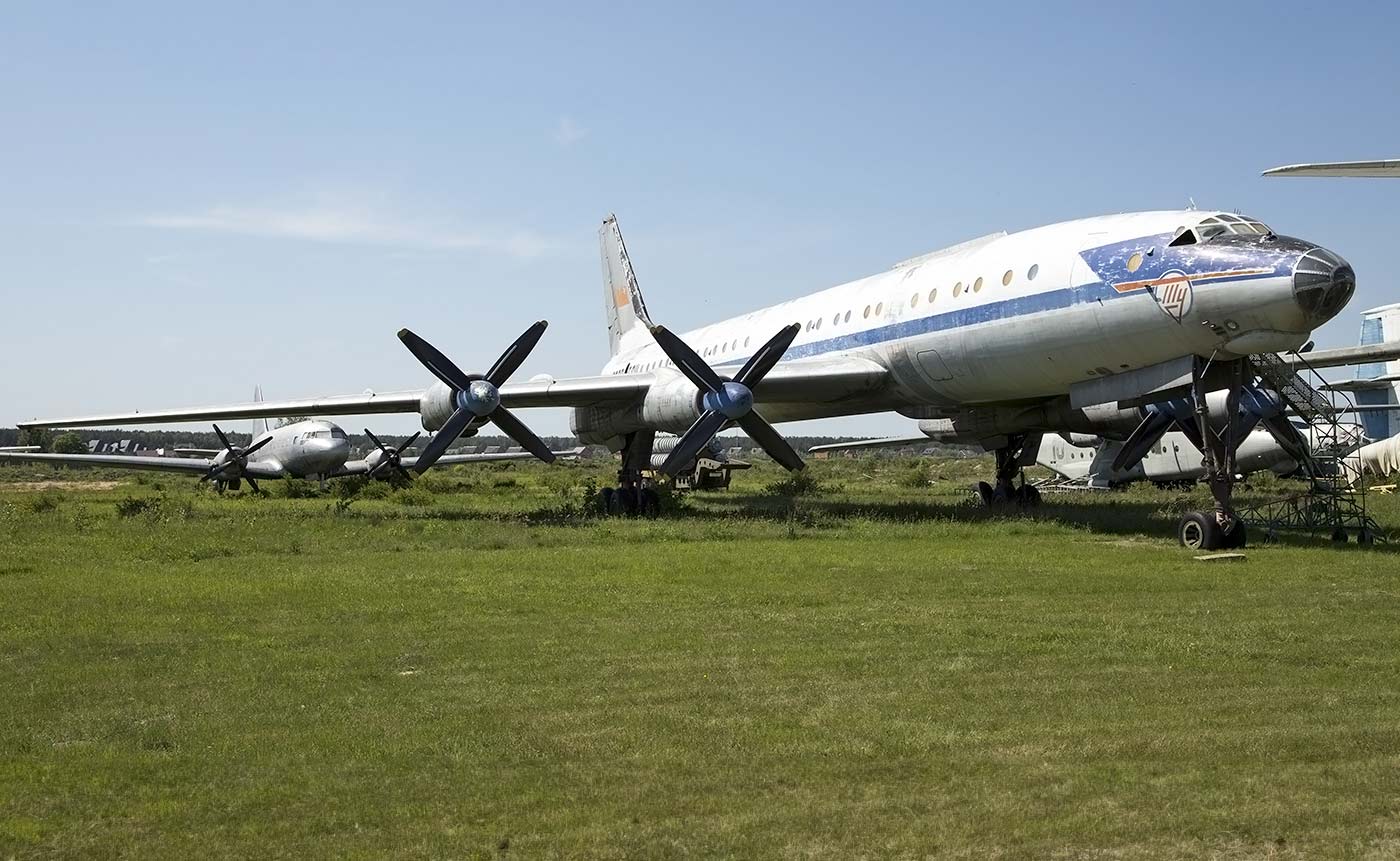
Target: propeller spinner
(477, 397)
(390, 458)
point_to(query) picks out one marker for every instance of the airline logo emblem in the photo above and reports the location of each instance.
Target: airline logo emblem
(1173, 294)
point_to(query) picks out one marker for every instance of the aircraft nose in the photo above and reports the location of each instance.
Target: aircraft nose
(1322, 285)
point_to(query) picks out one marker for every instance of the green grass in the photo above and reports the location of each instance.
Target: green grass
(874, 669)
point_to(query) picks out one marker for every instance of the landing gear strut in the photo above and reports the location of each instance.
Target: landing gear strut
(634, 496)
(1010, 460)
(1222, 528)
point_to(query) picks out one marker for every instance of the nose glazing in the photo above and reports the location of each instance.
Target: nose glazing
(1322, 284)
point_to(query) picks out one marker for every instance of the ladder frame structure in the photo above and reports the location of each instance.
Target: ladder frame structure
(1332, 503)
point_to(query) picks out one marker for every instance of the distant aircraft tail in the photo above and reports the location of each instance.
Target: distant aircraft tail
(263, 425)
(1378, 326)
(626, 312)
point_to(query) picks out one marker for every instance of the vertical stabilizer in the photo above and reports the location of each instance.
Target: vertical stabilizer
(263, 425)
(626, 312)
(1378, 326)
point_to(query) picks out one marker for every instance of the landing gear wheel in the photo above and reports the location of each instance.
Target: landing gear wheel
(624, 502)
(985, 491)
(1339, 535)
(1028, 495)
(1197, 530)
(605, 497)
(1235, 539)
(1365, 538)
(651, 502)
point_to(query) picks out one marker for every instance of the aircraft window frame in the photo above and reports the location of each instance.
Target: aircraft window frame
(867, 312)
(1033, 271)
(847, 318)
(977, 285)
(932, 295)
(1135, 261)
(879, 308)
(914, 301)
(1006, 278)
(957, 289)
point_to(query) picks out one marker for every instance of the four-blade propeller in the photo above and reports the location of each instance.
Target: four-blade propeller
(391, 458)
(477, 397)
(727, 401)
(233, 459)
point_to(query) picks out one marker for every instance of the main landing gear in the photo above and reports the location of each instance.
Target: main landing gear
(1220, 529)
(1010, 461)
(634, 496)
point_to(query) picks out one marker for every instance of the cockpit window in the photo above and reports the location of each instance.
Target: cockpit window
(337, 433)
(1219, 225)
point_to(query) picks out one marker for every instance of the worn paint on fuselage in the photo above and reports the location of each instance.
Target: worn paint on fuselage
(948, 341)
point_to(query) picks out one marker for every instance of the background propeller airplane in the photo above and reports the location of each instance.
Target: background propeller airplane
(1114, 320)
(311, 449)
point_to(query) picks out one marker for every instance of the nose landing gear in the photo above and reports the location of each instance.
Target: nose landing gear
(1222, 528)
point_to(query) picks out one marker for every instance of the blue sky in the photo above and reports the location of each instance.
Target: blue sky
(194, 200)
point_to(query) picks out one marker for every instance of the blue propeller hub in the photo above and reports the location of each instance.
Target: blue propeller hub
(733, 400)
(480, 398)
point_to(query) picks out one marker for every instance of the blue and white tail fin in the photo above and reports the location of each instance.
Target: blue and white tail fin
(628, 321)
(1378, 326)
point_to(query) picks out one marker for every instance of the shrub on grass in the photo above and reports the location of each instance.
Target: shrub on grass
(350, 486)
(918, 475)
(415, 496)
(39, 503)
(298, 488)
(801, 483)
(376, 490)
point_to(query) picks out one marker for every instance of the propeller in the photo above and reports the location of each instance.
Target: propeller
(477, 397)
(727, 401)
(393, 457)
(1256, 406)
(234, 456)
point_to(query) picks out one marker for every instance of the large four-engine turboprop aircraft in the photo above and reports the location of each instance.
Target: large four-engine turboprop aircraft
(308, 449)
(1058, 328)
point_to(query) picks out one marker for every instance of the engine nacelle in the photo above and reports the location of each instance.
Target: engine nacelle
(436, 405)
(670, 405)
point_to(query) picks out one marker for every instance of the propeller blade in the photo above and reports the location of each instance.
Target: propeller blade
(409, 442)
(446, 436)
(762, 361)
(434, 361)
(694, 367)
(761, 432)
(374, 439)
(252, 483)
(223, 439)
(1142, 439)
(407, 476)
(516, 430)
(257, 445)
(693, 440)
(515, 354)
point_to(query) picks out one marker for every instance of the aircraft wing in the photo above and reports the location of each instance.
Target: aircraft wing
(361, 467)
(1384, 381)
(819, 380)
(1381, 168)
(121, 461)
(882, 442)
(19, 448)
(1344, 356)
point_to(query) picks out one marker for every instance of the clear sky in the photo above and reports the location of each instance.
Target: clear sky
(194, 200)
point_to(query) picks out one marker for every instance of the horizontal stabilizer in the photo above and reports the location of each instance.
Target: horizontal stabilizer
(883, 442)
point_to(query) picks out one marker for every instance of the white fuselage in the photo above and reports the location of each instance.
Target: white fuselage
(303, 450)
(1172, 459)
(1024, 316)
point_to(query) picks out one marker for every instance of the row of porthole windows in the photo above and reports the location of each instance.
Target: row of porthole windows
(878, 308)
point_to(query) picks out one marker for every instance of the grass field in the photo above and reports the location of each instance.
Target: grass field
(475, 668)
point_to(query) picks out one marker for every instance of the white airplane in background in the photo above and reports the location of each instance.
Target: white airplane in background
(1108, 321)
(309, 449)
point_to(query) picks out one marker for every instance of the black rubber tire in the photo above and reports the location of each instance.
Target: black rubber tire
(651, 502)
(1237, 537)
(1365, 538)
(625, 499)
(985, 491)
(1197, 530)
(605, 501)
(1030, 496)
(1339, 535)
